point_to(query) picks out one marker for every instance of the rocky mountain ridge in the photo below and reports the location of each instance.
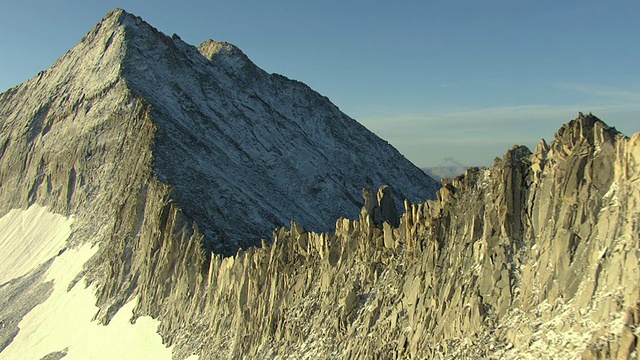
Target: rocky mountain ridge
(534, 257)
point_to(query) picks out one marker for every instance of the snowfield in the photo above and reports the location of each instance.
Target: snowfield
(63, 324)
(29, 238)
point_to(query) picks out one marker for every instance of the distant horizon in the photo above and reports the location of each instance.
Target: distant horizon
(464, 81)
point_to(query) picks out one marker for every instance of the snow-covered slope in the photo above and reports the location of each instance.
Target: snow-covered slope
(59, 324)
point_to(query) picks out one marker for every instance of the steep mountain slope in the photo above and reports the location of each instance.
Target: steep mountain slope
(158, 153)
(244, 150)
(261, 140)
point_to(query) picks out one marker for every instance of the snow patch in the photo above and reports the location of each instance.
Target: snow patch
(29, 238)
(612, 194)
(64, 321)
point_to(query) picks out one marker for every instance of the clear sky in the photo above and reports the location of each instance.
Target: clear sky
(437, 79)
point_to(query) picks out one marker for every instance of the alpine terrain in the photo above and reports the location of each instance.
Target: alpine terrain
(160, 201)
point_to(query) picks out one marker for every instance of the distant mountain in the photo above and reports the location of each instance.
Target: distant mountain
(448, 169)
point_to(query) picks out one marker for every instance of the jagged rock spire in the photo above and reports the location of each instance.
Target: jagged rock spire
(380, 209)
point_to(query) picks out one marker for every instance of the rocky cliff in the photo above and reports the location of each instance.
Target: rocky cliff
(167, 158)
(535, 257)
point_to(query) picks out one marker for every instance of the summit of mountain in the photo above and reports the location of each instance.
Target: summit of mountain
(243, 151)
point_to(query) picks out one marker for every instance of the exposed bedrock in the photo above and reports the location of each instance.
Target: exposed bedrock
(536, 256)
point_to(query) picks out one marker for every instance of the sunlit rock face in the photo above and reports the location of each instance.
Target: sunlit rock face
(534, 257)
(145, 164)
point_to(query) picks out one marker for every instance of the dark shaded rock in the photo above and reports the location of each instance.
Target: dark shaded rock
(379, 209)
(57, 355)
(388, 212)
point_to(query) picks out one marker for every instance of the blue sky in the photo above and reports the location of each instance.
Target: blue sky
(438, 79)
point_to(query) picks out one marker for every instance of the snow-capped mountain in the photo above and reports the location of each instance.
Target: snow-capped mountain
(243, 150)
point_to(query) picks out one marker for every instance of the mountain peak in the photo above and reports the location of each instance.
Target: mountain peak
(122, 15)
(242, 150)
(118, 17)
(117, 13)
(211, 48)
(586, 127)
